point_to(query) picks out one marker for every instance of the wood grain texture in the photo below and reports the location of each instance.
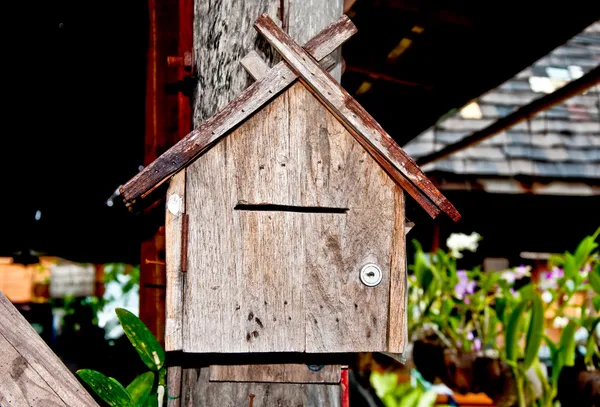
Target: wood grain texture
(254, 65)
(216, 25)
(352, 113)
(305, 18)
(30, 373)
(249, 101)
(397, 323)
(283, 373)
(235, 394)
(284, 281)
(175, 212)
(258, 69)
(200, 392)
(174, 379)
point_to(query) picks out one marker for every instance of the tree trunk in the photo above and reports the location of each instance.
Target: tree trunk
(223, 35)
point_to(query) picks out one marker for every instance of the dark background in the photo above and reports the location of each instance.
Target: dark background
(73, 124)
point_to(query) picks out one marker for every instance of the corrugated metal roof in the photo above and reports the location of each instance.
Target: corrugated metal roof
(560, 143)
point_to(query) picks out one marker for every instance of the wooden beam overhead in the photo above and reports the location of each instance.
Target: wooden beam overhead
(386, 77)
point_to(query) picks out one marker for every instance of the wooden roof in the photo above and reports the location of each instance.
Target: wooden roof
(301, 63)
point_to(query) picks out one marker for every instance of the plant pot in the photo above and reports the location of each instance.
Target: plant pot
(578, 387)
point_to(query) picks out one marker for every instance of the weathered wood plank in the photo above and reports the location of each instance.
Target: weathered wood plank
(283, 373)
(21, 385)
(175, 213)
(351, 112)
(260, 279)
(257, 68)
(397, 329)
(199, 391)
(37, 375)
(255, 65)
(174, 379)
(248, 102)
(342, 314)
(310, 13)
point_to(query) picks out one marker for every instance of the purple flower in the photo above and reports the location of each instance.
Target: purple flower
(470, 336)
(477, 344)
(557, 272)
(522, 271)
(586, 269)
(464, 286)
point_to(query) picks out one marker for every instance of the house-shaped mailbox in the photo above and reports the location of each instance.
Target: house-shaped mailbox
(285, 215)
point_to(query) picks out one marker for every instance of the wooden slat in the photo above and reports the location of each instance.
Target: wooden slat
(199, 391)
(174, 379)
(21, 385)
(353, 114)
(210, 131)
(175, 213)
(255, 65)
(258, 68)
(31, 374)
(397, 329)
(281, 373)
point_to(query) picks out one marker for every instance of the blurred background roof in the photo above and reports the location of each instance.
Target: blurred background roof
(556, 152)
(75, 85)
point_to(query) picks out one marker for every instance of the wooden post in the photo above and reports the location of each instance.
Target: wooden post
(221, 78)
(168, 119)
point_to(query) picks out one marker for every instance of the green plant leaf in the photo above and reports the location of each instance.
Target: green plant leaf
(585, 248)
(567, 344)
(557, 365)
(596, 302)
(512, 331)
(109, 389)
(139, 389)
(383, 383)
(500, 307)
(152, 401)
(427, 399)
(535, 333)
(411, 398)
(594, 277)
(551, 346)
(146, 345)
(590, 350)
(570, 267)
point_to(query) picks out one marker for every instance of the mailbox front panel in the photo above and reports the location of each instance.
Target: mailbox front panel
(295, 237)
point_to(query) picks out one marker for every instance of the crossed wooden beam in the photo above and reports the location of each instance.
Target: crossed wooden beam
(309, 64)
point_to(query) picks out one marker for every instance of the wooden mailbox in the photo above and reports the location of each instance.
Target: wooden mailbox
(285, 215)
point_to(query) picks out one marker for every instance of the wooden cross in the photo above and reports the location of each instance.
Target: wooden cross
(308, 64)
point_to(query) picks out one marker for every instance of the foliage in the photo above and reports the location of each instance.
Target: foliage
(502, 313)
(393, 394)
(126, 276)
(145, 390)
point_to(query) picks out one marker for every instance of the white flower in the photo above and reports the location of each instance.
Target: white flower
(560, 322)
(570, 285)
(508, 276)
(547, 297)
(458, 242)
(522, 271)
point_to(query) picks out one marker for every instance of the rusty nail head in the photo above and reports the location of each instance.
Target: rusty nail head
(371, 274)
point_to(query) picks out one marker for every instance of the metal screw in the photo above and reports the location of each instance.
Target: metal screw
(371, 275)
